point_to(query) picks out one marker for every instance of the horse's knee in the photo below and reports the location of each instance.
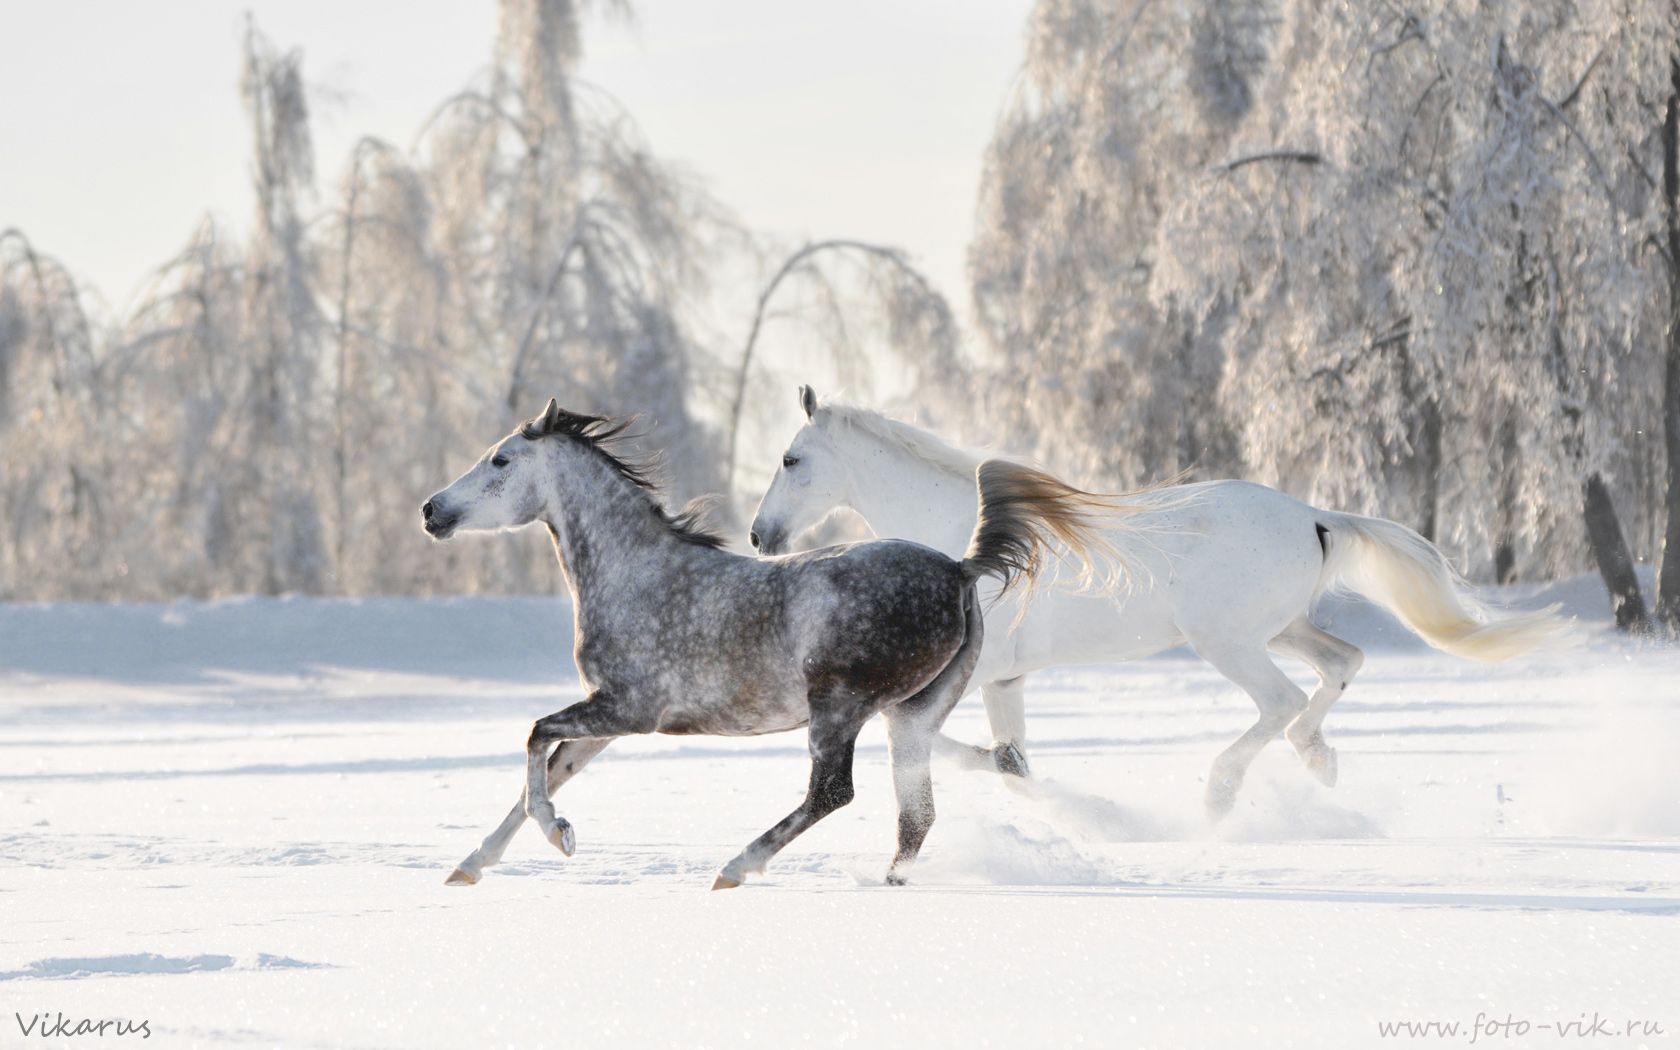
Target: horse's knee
(1338, 662)
(1280, 708)
(541, 736)
(1351, 661)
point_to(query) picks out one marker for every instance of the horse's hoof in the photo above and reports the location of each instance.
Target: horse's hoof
(1322, 764)
(1219, 800)
(724, 882)
(1010, 761)
(1317, 756)
(461, 877)
(562, 836)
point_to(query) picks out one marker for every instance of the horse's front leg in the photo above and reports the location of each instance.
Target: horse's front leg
(1006, 710)
(1005, 702)
(568, 759)
(601, 717)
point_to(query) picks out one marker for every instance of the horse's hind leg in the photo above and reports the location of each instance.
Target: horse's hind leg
(568, 759)
(1335, 662)
(1279, 700)
(833, 737)
(911, 729)
(912, 726)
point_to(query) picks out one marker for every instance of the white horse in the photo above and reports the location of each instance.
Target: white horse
(1229, 567)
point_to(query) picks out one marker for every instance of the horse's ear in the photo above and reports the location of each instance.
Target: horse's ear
(808, 401)
(550, 416)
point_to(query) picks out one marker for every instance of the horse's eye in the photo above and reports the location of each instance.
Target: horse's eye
(499, 461)
(790, 461)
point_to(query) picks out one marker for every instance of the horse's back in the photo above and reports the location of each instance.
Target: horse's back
(1214, 557)
(881, 617)
(1239, 551)
(1216, 521)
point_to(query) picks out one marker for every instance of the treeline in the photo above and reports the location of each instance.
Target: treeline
(1414, 259)
(268, 416)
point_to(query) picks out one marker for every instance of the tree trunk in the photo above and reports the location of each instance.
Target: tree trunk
(1615, 563)
(1505, 562)
(1598, 510)
(1505, 547)
(1668, 563)
(1430, 454)
(1426, 448)
(341, 451)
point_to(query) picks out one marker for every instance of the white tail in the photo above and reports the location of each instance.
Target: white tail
(1400, 570)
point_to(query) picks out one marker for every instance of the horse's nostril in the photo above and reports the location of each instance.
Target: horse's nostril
(426, 511)
(752, 537)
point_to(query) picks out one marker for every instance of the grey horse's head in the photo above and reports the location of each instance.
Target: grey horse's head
(813, 480)
(505, 489)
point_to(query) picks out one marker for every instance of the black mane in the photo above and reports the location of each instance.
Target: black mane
(599, 434)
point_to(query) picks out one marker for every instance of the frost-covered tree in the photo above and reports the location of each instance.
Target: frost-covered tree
(183, 384)
(53, 432)
(565, 259)
(283, 324)
(1115, 102)
(1391, 256)
(1459, 269)
(273, 411)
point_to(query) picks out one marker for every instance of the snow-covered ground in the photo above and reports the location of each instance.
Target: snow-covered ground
(233, 820)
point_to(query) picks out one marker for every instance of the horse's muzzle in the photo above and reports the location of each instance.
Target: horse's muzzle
(438, 524)
(768, 539)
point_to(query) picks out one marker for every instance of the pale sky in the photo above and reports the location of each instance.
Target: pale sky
(120, 122)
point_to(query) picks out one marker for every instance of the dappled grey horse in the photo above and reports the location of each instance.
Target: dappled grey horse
(673, 634)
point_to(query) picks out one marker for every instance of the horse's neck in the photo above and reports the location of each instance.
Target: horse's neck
(608, 540)
(903, 496)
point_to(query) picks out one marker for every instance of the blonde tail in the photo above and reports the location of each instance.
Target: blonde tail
(1026, 513)
(1400, 570)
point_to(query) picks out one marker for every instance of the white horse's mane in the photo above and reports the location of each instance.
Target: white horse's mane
(922, 444)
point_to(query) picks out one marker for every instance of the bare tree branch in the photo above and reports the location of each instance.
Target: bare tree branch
(892, 256)
(1275, 156)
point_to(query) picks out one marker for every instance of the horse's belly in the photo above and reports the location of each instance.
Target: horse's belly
(1065, 628)
(750, 712)
(1119, 627)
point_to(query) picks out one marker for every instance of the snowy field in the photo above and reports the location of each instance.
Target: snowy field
(233, 820)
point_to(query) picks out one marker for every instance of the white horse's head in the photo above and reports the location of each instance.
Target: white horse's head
(508, 487)
(814, 479)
